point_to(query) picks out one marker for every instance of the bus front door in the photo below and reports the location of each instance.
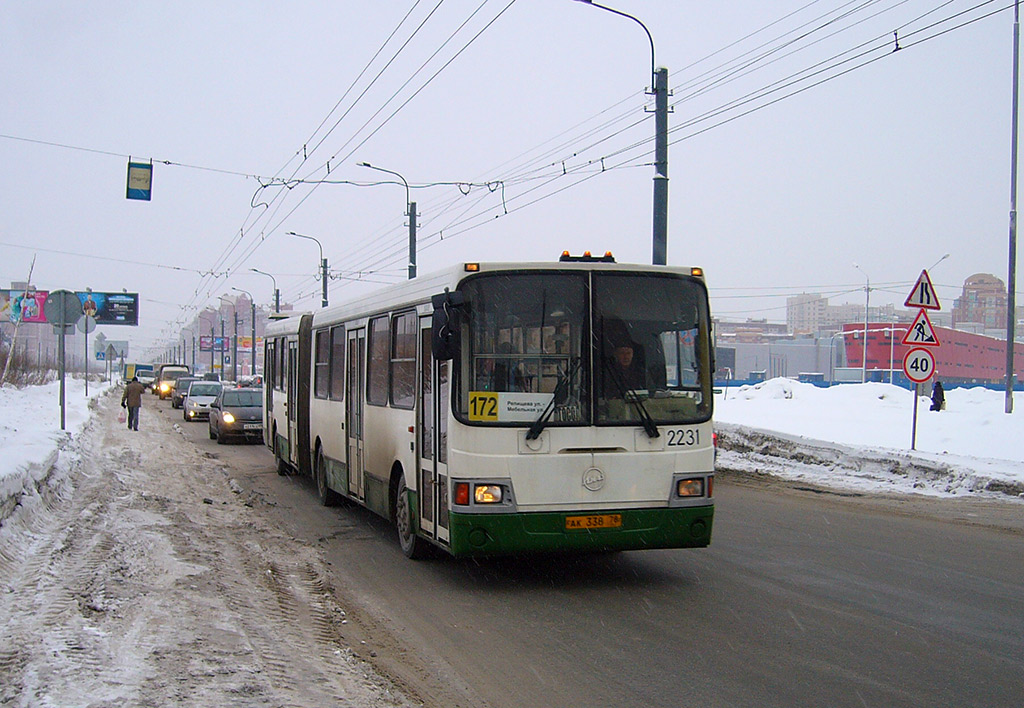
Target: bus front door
(433, 440)
(355, 384)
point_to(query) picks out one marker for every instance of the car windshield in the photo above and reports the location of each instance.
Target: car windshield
(242, 398)
(204, 389)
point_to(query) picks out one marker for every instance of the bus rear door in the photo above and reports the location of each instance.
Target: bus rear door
(355, 384)
(433, 439)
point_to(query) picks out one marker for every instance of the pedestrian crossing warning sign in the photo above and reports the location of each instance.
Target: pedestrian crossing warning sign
(923, 295)
(921, 333)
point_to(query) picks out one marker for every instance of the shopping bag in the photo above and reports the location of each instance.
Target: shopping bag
(122, 416)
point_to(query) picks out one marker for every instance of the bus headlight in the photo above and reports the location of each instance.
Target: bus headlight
(693, 487)
(487, 494)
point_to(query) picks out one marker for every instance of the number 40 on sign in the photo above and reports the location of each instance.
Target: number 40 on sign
(919, 365)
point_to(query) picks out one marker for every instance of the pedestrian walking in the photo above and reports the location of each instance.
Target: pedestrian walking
(132, 400)
(938, 396)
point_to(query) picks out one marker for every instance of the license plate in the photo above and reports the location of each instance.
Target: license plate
(594, 521)
(252, 426)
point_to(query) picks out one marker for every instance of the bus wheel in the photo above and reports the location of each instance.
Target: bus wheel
(412, 545)
(328, 497)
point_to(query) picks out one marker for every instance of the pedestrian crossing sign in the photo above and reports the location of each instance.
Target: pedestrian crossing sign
(921, 333)
(923, 295)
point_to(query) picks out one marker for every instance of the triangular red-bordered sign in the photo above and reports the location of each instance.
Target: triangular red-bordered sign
(921, 333)
(923, 295)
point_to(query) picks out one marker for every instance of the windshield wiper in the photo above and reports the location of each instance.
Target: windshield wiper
(561, 392)
(645, 418)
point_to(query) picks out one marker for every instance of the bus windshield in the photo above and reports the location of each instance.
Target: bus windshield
(584, 348)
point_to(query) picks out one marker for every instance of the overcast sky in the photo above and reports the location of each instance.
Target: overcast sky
(521, 129)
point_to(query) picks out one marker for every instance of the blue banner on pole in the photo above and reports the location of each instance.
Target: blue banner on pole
(140, 180)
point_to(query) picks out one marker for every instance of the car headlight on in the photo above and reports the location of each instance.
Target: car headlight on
(164, 388)
(227, 417)
(487, 494)
(693, 487)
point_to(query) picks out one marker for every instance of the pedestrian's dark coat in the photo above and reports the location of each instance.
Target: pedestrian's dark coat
(132, 396)
(938, 396)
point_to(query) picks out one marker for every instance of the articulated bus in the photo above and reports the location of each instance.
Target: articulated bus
(508, 408)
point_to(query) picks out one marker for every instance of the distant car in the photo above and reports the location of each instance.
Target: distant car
(251, 382)
(146, 377)
(237, 413)
(211, 376)
(200, 395)
(180, 390)
(169, 373)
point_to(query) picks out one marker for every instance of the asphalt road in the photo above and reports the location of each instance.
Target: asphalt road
(804, 598)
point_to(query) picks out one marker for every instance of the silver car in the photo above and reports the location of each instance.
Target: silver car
(200, 395)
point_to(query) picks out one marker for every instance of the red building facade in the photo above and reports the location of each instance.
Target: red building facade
(963, 357)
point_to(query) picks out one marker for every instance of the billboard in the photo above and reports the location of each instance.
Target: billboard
(111, 308)
(23, 305)
(106, 308)
(217, 344)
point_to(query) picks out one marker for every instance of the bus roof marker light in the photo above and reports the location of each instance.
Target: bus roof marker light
(472, 267)
(587, 257)
(697, 272)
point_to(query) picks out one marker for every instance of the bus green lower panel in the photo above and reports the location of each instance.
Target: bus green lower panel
(501, 534)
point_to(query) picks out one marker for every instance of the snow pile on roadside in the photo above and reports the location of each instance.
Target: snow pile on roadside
(30, 432)
(858, 436)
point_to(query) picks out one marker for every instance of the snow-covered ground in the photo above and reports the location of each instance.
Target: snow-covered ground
(30, 432)
(858, 436)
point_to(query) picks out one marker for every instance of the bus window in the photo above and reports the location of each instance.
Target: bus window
(524, 333)
(652, 334)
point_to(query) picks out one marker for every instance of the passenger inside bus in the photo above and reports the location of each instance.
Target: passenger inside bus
(501, 372)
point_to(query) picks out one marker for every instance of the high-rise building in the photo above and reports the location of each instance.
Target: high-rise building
(982, 303)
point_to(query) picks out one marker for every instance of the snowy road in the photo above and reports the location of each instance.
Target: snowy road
(159, 568)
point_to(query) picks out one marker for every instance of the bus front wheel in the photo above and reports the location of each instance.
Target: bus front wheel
(412, 545)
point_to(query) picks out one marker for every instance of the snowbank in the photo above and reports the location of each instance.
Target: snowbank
(859, 436)
(30, 434)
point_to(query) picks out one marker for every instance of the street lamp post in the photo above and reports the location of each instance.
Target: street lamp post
(1011, 276)
(193, 334)
(234, 314)
(252, 342)
(659, 89)
(867, 301)
(323, 264)
(411, 213)
(277, 293)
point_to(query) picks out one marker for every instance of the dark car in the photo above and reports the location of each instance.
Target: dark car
(180, 390)
(237, 413)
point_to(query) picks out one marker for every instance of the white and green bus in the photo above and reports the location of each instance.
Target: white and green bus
(505, 408)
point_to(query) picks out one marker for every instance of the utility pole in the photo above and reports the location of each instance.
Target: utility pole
(660, 167)
(234, 351)
(1011, 278)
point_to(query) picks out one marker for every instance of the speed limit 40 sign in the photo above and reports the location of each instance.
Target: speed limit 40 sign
(919, 365)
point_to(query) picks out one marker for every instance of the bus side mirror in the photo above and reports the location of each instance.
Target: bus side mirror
(444, 340)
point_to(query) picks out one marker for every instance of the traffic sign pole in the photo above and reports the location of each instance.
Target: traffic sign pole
(913, 427)
(919, 363)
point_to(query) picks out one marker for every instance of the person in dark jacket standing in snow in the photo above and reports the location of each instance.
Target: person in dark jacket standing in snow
(938, 396)
(132, 400)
